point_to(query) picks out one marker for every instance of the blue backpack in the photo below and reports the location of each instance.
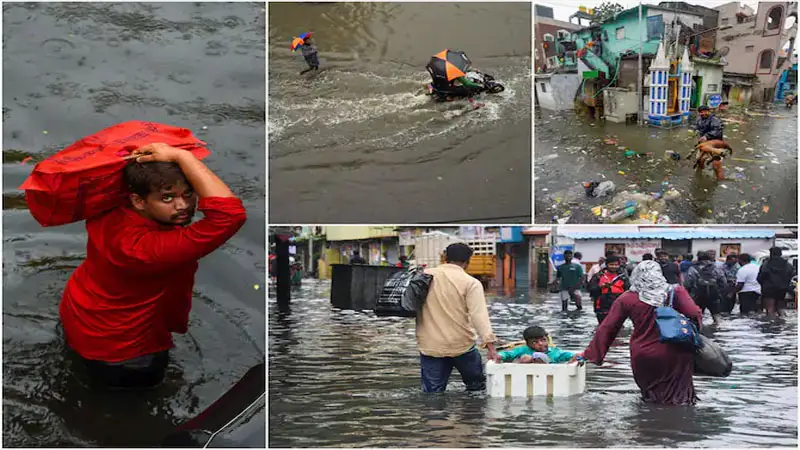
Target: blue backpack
(674, 327)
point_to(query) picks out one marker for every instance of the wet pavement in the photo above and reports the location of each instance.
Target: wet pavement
(71, 69)
(760, 185)
(362, 124)
(349, 379)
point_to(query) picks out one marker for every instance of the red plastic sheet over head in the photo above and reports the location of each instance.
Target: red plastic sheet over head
(85, 179)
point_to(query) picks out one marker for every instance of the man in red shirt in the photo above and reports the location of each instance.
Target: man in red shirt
(134, 289)
(606, 285)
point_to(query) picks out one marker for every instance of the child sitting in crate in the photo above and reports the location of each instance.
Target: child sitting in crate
(538, 350)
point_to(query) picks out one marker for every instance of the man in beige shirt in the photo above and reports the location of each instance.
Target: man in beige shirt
(445, 337)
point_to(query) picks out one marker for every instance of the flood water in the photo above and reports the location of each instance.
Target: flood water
(761, 176)
(363, 125)
(71, 69)
(349, 379)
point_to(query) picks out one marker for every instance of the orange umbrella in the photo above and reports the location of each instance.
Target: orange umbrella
(298, 41)
(449, 64)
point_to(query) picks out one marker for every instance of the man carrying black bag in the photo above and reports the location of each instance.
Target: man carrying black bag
(404, 293)
(775, 276)
(445, 337)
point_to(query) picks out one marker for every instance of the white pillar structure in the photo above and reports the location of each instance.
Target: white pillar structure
(659, 76)
(685, 91)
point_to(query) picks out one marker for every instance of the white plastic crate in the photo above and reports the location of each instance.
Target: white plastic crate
(529, 380)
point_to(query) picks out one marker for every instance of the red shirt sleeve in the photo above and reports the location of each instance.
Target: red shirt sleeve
(152, 249)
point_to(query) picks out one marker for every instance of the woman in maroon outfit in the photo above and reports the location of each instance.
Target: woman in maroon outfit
(662, 371)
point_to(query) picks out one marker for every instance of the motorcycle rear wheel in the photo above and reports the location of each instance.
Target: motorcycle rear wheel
(495, 88)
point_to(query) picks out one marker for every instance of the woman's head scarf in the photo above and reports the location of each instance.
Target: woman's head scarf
(648, 281)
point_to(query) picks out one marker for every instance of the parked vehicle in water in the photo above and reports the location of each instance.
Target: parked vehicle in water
(235, 420)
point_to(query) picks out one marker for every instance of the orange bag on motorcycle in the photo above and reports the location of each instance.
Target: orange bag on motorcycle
(85, 179)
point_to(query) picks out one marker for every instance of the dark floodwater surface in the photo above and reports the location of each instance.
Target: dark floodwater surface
(71, 69)
(349, 379)
(358, 142)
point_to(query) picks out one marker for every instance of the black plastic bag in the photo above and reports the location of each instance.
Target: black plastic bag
(711, 359)
(404, 293)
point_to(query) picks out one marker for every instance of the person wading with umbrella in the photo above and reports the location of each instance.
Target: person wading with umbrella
(448, 69)
(308, 49)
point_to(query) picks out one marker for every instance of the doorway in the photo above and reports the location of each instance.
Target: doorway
(523, 273)
(769, 95)
(672, 95)
(697, 94)
(726, 92)
(677, 247)
(543, 267)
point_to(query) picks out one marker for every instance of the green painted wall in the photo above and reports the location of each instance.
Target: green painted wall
(614, 47)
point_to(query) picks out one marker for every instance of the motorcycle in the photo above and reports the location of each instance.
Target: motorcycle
(488, 85)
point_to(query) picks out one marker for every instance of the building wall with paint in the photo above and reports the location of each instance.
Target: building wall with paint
(618, 102)
(711, 79)
(750, 246)
(557, 91)
(349, 233)
(749, 38)
(543, 29)
(593, 249)
(787, 83)
(739, 95)
(621, 35)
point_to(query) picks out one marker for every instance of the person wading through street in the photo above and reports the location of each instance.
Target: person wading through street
(686, 264)
(596, 268)
(711, 144)
(730, 268)
(134, 289)
(662, 370)
(445, 336)
(671, 271)
(706, 282)
(708, 126)
(606, 286)
(570, 274)
(625, 266)
(577, 258)
(775, 276)
(747, 285)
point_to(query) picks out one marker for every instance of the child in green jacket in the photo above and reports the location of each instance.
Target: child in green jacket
(537, 350)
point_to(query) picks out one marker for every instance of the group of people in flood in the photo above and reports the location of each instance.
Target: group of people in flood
(714, 285)
(619, 291)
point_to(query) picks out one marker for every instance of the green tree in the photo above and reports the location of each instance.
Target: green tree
(606, 11)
